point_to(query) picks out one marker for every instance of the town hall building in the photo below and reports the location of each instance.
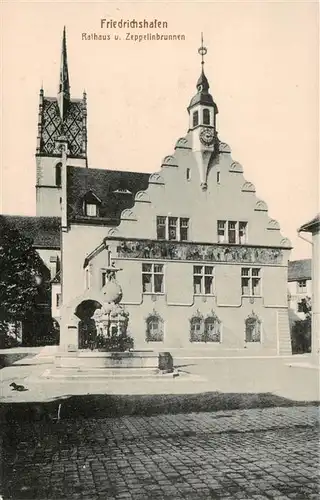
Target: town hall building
(202, 267)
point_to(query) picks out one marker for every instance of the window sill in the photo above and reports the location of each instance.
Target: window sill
(153, 293)
(204, 295)
(251, 296)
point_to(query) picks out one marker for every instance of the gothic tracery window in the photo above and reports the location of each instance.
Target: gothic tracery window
(253, 328)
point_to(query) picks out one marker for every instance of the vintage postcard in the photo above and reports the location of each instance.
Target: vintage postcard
(159, 250)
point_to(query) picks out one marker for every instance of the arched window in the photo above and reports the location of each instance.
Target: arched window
(253, 328)
(212, 328)
(154, 328)
(196, 328)
(58, 174)
(195, 118)
(206, 116)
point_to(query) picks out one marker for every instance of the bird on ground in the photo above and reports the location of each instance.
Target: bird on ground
(17, 387)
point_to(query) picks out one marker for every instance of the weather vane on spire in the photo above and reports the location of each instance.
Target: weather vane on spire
(202, 50)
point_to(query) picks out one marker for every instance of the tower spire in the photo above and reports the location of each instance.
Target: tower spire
(202, 83)
(64, 86)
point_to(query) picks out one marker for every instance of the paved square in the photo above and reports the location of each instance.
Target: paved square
(255, 453)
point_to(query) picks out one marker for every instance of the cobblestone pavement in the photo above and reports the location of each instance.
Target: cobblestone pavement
(256, 453)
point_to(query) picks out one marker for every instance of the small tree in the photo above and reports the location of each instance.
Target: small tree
(20, 269)
(301, 329)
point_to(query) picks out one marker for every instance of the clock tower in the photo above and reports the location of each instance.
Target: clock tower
(202, 123)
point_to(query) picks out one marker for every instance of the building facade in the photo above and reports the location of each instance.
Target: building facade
(313, 227)
(299, 285)
(203, 264)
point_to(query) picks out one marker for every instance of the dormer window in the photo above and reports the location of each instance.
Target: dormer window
(206, 116)
(91, 204)
(195, 118)
(91, 210)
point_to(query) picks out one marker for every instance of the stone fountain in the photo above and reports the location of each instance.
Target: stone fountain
(110, 351)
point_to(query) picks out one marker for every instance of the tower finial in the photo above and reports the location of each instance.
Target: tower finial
(202, 51)
(64, 86)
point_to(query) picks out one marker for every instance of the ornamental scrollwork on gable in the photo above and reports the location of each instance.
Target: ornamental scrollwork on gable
(224, 147)
(182, 143)
(113, 232)
(142, 197)
(156, 178)
(169, 161)
(128, 214)
(285, 242)
(166, 250)
(273, 224)
(261, 206)
(236, 167)
(248, 187)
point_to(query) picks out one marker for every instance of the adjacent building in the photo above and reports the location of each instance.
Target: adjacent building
(299, 285)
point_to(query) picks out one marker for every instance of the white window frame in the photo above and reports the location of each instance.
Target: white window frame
(203, 274)
(301, 289)
(225, 226)
(178, 227)
(91, 207)
(251, 277)
(153, 273)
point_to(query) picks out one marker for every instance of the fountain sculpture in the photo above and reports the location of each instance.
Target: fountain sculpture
(111, 320)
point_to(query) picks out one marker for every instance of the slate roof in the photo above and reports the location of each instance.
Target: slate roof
(312, 225)
(74, 127)
(116, 190)
(299, 270)
(43, 231)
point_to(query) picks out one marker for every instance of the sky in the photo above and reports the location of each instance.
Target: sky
(262, 65)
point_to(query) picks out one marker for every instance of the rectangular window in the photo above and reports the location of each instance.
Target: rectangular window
(302, 286)
(218, 177)
(251, 281)
(184, 224)
(161, 228)
(152, 278)
(172, 228)
(58, 300)
(203, 280)
(233, 232)
(232, 227)
(221, 231)
(243, 232)
(103, 277)
(91, 210)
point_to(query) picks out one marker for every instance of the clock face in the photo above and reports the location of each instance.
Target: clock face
(207, 136)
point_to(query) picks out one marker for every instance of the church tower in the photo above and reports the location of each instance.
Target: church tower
(202, 124)
(60, 118)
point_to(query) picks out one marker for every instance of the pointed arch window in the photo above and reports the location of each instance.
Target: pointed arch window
(195, 118)
(154, 327)
(253, 328)
(206, 116)
(58, 174)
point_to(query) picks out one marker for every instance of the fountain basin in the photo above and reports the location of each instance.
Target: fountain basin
(83, 360)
